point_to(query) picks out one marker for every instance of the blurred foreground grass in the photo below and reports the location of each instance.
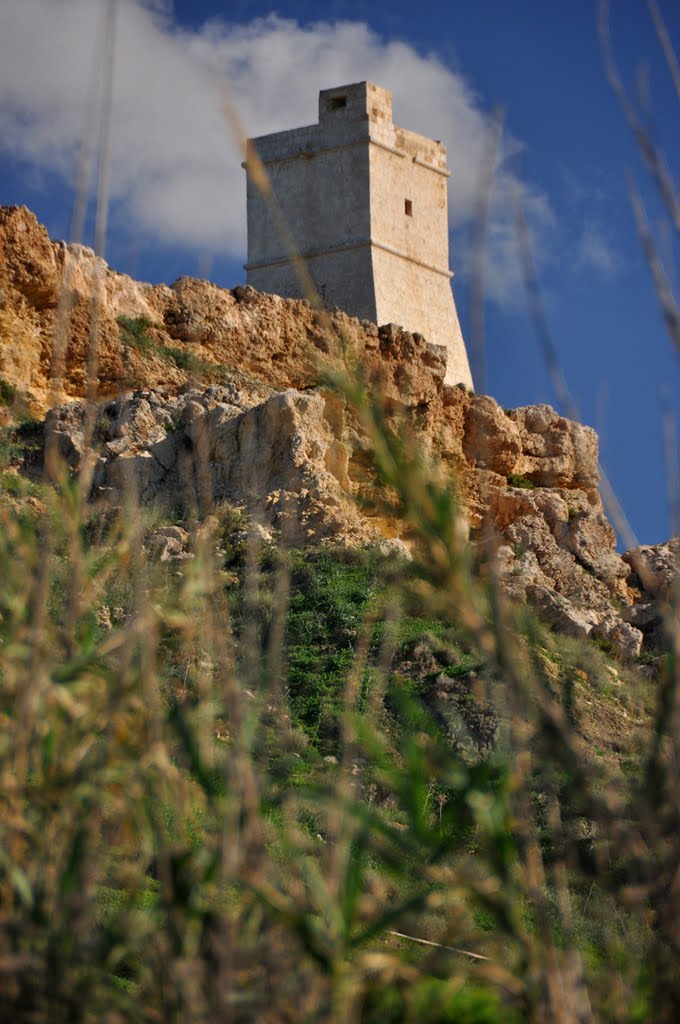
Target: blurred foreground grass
(227, 785)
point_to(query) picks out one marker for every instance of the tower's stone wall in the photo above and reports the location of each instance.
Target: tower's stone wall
(366, 206)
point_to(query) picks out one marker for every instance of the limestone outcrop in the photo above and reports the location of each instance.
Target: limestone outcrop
(655, 572)
(176, 335)
(296, 461)
(210, 397)
(284, 459)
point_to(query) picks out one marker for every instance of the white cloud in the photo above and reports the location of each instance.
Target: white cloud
(596, 253)
(176, 173)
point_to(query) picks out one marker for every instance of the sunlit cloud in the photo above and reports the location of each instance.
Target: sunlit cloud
(175, 174)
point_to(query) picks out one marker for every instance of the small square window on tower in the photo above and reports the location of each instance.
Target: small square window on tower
(408, 207)
(338, 102)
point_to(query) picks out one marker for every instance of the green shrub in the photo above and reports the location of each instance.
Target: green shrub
(330, 595)
(186, 361)
(134, 332)
(518, 480)
(7, 392)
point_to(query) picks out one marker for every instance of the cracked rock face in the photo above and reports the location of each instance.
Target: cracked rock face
(290, 462)
(556, 452)
(656, 567)
(655, 572)
(282, 459)
(558, 552)
(212, 395)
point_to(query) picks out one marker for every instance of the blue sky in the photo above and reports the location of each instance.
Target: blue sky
(178, 194)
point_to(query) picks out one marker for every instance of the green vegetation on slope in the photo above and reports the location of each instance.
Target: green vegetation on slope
(136, 333)
(233, 784)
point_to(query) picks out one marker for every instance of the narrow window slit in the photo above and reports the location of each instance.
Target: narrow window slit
(408, 207)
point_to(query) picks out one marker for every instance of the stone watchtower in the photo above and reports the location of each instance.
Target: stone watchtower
(366, 205)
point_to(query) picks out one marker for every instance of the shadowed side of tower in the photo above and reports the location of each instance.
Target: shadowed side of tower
(366, 204)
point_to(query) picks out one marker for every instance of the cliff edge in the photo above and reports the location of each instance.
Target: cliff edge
(209, 396)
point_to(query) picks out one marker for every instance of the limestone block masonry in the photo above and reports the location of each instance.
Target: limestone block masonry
(366, 205)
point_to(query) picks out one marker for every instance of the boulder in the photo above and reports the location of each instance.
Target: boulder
(28, 266)
(65, 431)
(557, 611)
(169, 544)
(556, 452)
(656, 568)
(491, 439)
(625, 639)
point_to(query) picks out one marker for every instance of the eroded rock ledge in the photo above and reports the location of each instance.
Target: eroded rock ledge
(211, 395)
(296, 463)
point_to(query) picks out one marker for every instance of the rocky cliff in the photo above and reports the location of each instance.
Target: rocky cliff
(208, 396)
